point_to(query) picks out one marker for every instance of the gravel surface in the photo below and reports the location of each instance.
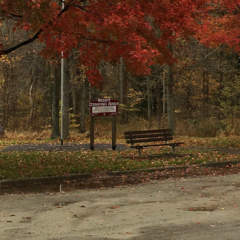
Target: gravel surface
(192, 208)
(57, 147)
(177, 209)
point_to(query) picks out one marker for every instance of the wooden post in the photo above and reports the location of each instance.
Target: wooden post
(92, 133)
(114, 132)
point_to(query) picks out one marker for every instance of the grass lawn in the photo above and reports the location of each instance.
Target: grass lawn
(195, 151)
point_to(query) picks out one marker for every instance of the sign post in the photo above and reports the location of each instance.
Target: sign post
(114, 132)
(92, 133)
(103, 107)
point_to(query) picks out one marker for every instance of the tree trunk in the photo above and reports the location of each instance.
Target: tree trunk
(123, 84)
(83, 106)
(2, 132)
(149, 103)
(170, 99)
(159, 103)
(164, 93)
(74, 99)
(31, 100)
(65, 102)
(55, 101)
(121, 76)
(205, 93)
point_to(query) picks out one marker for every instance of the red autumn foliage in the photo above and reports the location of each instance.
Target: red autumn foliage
(140, 31)
(222, 25)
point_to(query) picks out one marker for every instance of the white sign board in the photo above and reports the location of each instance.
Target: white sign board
(104, 107)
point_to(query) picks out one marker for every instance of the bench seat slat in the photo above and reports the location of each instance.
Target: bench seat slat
(155, 145)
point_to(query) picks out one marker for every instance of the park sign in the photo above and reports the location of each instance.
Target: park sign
(103, 107)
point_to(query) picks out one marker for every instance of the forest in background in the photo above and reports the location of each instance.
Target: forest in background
(197, 96)
(205, 94)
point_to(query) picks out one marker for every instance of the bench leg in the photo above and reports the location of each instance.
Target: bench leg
(139, 151)
(173, 148)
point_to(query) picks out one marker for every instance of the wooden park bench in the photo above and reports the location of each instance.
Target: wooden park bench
(153, 138)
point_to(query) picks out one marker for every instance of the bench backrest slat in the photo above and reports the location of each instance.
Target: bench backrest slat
(155, 135)
(155, 139)
(158, 135)
(167, 131)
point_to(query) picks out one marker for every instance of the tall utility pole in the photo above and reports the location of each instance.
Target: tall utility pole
(62, 92)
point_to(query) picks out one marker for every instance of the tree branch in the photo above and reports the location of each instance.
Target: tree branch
(35, 36)
(11, 49)
(80, 7)
(13, 16)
